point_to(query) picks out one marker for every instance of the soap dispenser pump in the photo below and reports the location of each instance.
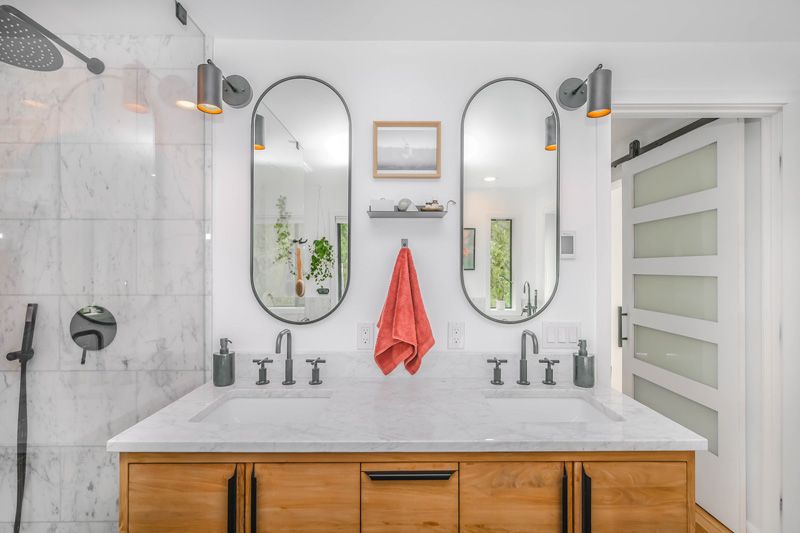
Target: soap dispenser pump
(583, 366)
(224, 364)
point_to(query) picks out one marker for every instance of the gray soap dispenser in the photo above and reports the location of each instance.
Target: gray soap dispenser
(583, 366)
(224, 365)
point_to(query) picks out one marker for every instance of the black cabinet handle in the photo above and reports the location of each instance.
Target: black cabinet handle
(254, 503)
(620, 338)
(411, 475)
(586, 502)
(564, 505)
(232, 501)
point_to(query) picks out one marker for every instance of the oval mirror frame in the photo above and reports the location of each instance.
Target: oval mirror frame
(558, 200)
(349, 196)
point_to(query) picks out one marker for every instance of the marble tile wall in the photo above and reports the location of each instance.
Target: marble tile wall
(104, 198)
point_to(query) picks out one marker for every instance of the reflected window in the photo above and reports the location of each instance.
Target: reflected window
(342, 259)
(500, 282)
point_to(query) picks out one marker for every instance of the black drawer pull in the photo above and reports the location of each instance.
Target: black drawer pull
(564, 503)
(586, 502)
(411, 475)
(232, 501)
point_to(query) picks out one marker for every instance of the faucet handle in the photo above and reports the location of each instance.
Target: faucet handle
(262, 370)
(315, 370)
(549, 362)
(548, 372)
(497, 362)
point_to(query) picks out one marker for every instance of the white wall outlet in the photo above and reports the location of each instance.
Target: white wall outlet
(365, 337)
(455, 335)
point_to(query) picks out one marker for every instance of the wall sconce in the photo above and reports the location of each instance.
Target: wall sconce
(213, 88)
(572, 93)
(258, 134)
(550, 143)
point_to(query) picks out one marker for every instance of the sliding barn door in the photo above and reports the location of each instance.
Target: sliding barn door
(683, 292)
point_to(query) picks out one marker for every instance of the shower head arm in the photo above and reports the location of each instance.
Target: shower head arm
(55, 38)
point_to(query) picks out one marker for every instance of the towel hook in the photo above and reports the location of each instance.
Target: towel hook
(404, 243)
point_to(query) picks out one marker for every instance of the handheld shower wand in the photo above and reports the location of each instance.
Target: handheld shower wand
(23, 356)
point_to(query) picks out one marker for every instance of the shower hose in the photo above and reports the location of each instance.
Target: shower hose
(23, 356)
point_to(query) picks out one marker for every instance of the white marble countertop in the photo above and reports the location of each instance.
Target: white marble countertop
(408, 415)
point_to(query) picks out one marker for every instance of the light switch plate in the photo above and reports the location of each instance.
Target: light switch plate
(455, 335)
(560, 335)
(364, 336)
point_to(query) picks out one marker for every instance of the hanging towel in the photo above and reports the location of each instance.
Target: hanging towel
(404, 334)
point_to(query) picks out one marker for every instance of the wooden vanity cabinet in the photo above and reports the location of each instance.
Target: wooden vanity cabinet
(409, 497)
(549, 492)
(509, 497)
(305, 498)
(633, 497)
(184, 497)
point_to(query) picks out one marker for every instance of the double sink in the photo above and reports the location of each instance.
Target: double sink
(281, 408)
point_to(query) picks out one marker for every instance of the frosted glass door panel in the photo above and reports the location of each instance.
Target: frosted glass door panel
(686, 235)
(685, 356)
(689, 296)
(690, 414)
(689, 173)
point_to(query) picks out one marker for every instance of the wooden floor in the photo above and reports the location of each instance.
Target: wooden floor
(705, 523)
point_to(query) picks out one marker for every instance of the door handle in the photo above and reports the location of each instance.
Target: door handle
(620, 338)
(254, 502)
(411, 475)
(564, 505)
(232, 500)
(586, 502)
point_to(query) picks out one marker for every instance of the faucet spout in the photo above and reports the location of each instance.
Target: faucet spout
(289, 366)
(523, 359)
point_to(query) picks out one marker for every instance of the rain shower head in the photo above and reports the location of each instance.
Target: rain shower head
(26, 44)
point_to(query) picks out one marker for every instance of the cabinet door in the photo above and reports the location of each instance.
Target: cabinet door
(514, 497)
(631, 497)
(409, 497)
(306, 497)
(185, 497)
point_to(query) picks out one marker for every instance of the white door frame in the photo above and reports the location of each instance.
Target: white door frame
(771, 114)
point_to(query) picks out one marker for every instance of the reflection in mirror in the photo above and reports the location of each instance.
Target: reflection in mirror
(92, 328)
(510, 200)
(301, 200)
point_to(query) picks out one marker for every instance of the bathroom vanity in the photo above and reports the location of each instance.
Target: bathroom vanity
(406, 455)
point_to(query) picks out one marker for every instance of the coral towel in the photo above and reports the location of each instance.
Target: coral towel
(404, 334)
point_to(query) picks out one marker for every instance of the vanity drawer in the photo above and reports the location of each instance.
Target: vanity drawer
(409, 497)
(305, 498)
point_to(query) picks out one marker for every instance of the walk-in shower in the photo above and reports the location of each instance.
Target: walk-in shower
(27, 44)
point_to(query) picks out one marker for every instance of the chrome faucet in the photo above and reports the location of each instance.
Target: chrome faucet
(288, 378)
(523, 361)
(529, 309)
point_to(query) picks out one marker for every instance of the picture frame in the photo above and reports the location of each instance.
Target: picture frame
(468, 260)
(407, 149)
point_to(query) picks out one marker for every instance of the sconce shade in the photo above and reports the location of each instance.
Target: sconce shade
(258, 134)
(599, 93)
(550, 143)
(209, 88)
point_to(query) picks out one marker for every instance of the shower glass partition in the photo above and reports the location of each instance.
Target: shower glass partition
(104, 200)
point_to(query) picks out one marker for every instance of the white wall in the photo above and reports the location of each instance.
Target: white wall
(432, 81)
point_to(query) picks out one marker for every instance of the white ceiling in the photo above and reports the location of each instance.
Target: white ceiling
(499, 20)
(435, 20)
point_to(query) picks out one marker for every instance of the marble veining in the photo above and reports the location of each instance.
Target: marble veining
(417, 415)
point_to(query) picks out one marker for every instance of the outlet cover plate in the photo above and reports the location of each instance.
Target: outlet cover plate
(455, 335)
(365, 338)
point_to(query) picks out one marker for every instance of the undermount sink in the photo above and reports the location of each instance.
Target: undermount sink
(550, 409)
(264, 408)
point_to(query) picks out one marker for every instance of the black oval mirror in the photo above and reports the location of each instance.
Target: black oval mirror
(92, 328)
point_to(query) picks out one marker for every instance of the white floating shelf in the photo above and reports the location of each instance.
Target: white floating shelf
(406, 214)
